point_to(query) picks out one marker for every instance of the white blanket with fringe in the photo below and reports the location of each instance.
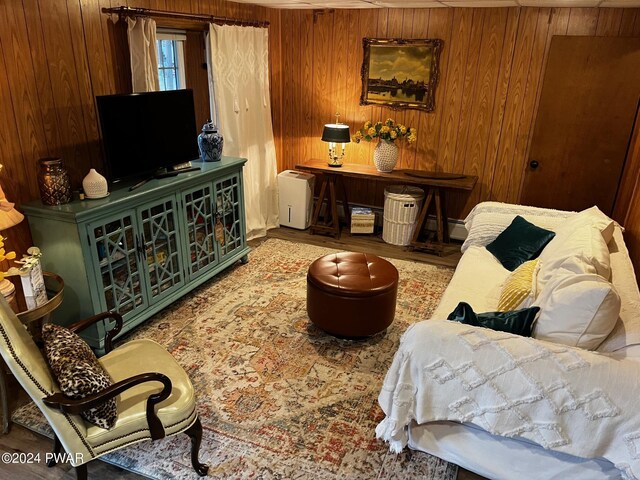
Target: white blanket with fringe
(563, 398)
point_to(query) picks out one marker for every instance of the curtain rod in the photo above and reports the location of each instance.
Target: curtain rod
(149, 12)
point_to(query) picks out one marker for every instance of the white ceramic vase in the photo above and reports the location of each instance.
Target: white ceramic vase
(95, 185)
(385, 156)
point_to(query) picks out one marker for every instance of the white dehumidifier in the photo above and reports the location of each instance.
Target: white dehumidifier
(296, 198)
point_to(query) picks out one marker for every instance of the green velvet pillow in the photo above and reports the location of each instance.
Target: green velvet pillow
(519, 242)
(516, 321)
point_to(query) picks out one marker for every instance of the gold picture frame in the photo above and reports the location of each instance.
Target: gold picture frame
(400, 73)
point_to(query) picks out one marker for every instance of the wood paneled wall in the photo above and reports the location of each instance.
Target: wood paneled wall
(492, 67)
(55, 57)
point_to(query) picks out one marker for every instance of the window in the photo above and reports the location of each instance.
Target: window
(171, 60)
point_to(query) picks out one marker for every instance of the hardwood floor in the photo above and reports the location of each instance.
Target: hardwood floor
(369, 244)
(20, 439)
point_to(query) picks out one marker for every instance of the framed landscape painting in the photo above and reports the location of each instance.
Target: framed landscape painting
(400, 73)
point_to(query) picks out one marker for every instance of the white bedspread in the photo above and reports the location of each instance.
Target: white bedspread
(562, 398)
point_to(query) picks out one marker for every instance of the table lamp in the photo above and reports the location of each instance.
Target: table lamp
(335, 133)
(9, 217)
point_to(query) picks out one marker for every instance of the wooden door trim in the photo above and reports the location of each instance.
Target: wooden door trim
(629, 177)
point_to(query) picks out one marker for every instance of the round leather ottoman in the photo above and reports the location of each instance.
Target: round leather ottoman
(351, 294)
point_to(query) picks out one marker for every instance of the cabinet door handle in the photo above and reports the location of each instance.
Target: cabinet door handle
(139, 248)
(143, 251)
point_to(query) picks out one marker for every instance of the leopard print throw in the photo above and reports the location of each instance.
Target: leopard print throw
(78, 372)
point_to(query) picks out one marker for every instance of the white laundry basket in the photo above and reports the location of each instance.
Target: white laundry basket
(401, 207)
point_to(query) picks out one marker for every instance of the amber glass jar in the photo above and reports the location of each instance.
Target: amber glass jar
(53, 180)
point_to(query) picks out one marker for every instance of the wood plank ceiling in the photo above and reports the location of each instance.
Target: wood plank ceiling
(324, 4)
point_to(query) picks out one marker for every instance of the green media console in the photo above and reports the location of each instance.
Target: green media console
(136, 252)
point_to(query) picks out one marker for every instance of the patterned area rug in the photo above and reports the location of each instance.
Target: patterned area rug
(277, 397)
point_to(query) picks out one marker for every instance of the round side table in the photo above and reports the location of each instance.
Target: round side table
(35, 317)
(33, 320)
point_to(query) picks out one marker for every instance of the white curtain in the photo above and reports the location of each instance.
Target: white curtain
(143, 51)
(239, 68)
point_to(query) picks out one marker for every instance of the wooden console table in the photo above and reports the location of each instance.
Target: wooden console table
(332, 184)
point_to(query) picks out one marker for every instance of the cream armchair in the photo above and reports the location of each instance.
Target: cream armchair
(155, 396)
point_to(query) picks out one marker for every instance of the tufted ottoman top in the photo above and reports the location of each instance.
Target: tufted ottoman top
(353, 274)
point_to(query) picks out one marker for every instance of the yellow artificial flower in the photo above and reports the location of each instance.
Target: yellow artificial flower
(4, 255)
(388, 131)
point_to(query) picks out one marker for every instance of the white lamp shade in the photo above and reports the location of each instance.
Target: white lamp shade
(9, 216)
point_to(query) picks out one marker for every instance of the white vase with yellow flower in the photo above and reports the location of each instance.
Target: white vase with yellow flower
(385, 155)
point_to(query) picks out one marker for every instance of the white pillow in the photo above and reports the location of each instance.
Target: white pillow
(583, 250)
(577, 310)
(591, 216)
(513, 209)
(488, 219)
(486, 226)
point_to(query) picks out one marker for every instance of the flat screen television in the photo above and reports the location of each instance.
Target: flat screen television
(144, 133)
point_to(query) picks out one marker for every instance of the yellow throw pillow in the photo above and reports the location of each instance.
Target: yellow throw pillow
(518, 287)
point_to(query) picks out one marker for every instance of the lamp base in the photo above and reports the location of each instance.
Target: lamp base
(334, 165)
(7, 288)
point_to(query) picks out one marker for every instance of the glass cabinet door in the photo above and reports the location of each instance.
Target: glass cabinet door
(198, 212)
(160, 249)
(116, 257)
(229, 222)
